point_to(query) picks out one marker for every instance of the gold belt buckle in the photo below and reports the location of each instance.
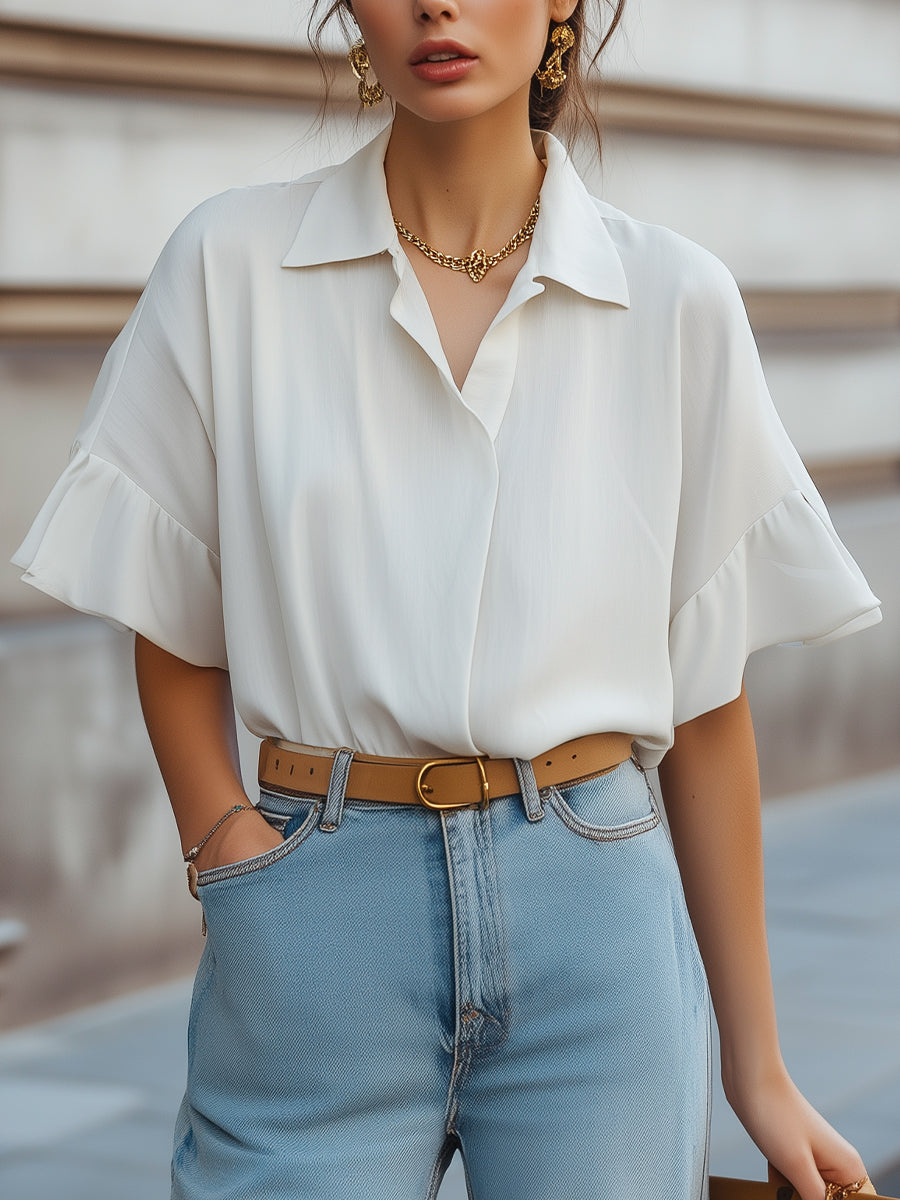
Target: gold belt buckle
(422, 787)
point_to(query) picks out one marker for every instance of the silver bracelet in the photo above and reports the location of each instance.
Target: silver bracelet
(195, 850)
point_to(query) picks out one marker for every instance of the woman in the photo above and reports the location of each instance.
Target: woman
(466, 534)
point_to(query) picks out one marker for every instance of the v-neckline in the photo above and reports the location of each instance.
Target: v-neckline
(486, 388)
(411, 295)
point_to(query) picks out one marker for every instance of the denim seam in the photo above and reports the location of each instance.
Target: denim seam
(704, 1177)
(654, 803)
(461, 1051)
(601, 833)
(460, 933)
(462, 1063)
(489, 899)
(247, 866)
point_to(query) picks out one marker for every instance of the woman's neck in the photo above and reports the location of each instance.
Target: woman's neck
(463, 184)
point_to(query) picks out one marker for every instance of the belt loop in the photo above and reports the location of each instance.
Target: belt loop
(531, 797)
(337, 790)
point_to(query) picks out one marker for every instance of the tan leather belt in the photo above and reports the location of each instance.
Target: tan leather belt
(441, 783)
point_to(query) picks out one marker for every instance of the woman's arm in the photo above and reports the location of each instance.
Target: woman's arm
(710, 785)
(190, 719)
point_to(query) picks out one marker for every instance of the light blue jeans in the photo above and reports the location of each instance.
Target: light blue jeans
(391, 984)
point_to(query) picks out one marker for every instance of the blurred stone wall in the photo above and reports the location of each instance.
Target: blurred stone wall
(93, 178)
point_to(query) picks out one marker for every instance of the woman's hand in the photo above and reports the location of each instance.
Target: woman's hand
(243, 835)
(796, 1140)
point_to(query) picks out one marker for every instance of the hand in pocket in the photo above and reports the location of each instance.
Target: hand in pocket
(244, 835)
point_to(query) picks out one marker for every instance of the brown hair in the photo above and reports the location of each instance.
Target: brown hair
(568, 106)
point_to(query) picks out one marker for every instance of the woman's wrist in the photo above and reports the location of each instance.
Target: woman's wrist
(220, 833)
(191, 853)
(747, 1071)
(244, 835)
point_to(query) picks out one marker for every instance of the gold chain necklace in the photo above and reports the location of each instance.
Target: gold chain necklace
(477, 264)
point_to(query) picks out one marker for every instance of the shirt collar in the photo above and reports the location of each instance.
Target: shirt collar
(349, 217)
(572, 245)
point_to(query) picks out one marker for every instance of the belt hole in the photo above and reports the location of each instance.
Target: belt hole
(574, 755)
(312, 770)
(277, 761)
(549, 762)
(291, 771)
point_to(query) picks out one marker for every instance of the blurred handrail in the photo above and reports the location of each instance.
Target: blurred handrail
(96, 313)
(49, 54)
(12, 933)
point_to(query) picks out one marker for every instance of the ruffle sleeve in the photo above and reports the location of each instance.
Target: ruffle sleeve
(757, 559)
(102, 545)
(130, 530)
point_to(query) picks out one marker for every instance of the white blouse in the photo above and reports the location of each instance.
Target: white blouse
(277, 474)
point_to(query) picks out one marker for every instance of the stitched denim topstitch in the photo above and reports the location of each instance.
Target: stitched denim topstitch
(391, 983)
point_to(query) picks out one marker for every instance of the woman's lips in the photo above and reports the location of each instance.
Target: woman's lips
(441, 61)
(444, 71)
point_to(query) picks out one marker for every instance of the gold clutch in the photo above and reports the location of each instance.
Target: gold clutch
(722, 1188)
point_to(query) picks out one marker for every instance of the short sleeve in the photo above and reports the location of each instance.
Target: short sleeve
(130, 530)
(757, 560)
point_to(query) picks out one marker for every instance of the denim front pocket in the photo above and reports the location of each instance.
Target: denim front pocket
(607, 808)
(294, 817)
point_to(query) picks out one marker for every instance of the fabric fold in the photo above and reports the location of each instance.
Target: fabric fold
(788, 580)
(102, 545)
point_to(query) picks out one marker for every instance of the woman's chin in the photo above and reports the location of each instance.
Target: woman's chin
(448, 105)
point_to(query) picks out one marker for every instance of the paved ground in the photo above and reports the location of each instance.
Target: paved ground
(87, 1102)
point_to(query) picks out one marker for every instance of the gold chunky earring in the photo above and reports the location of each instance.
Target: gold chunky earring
(358, 57)
(551, 75)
